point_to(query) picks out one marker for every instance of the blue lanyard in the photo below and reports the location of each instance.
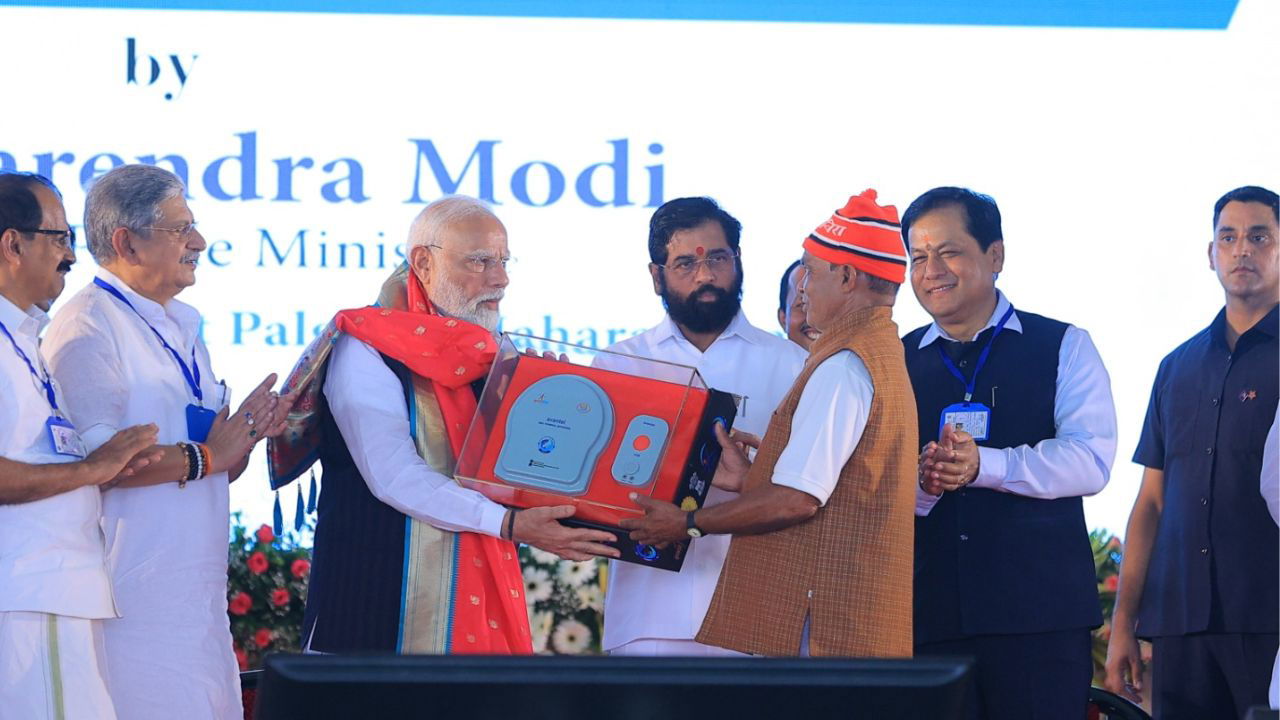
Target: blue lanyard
(44, 380)
(190, 374)
(970, 384)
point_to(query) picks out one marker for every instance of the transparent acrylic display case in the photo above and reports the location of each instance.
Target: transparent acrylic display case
(591, 431)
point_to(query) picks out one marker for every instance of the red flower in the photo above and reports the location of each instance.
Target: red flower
(242, 659)
(258, 563)
(263, 637)
(300, 567)
(279, 597)
(240, 604)
(1112, 582)
(265, 535)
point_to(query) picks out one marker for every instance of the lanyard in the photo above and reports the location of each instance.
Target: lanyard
(982, 358)
(44, 380)
(190, 374)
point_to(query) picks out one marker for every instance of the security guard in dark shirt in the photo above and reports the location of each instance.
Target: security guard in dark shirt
(1199, 576)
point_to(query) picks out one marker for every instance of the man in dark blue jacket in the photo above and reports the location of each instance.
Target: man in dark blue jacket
(1018, 413)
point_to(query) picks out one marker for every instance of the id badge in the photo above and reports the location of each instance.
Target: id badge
(65, 439)
(971, 417)
(199, 423)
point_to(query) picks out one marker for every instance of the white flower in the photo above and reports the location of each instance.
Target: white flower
(571, 637)
(542, 557)
(540, 624)
(537, 584)
(590, 597)
(575, 574)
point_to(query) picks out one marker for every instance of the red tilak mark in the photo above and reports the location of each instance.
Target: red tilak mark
(700, 251)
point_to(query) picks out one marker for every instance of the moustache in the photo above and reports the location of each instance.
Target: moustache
(65, 266)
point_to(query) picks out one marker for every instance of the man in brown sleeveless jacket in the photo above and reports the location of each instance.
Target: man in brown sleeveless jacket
(820, 562)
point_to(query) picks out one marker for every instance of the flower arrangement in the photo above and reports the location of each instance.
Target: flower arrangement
(1107, 553)
(565, 601)
(266, 591)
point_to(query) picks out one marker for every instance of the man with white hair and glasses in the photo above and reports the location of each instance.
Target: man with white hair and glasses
(405, 559)
(125, 352)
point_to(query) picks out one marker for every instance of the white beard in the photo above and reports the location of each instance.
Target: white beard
(449, 300)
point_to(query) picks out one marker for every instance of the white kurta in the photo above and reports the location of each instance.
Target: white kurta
(648, 604)
(169, 655)
(54, 587)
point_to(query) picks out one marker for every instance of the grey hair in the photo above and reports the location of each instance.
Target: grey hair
(442, 213)
(130, 197)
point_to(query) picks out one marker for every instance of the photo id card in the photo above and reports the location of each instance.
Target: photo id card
(973, 418)
(199, 423)
(65, 439)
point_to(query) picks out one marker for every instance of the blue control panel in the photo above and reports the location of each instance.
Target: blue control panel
(556, 430)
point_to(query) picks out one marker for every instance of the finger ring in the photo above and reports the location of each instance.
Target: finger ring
(253, 433)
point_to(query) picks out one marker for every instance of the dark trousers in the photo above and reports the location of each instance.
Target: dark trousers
(1040, 676)
(1207, 676)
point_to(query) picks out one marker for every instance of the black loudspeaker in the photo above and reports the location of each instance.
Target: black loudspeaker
(312, 687)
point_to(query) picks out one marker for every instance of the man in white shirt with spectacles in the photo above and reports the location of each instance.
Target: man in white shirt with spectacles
(54, 588)
(696, 269)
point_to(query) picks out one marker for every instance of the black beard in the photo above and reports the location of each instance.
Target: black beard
(700, 316)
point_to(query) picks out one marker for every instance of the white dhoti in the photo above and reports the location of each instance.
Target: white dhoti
(51, 668)
(171, 658)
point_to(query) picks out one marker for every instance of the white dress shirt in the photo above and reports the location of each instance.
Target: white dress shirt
(51, 550)
(646, 603)
(1077, 460)
(368, 406)
(170, 653)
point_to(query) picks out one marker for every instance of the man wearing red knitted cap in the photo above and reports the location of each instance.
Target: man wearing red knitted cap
(825, 510)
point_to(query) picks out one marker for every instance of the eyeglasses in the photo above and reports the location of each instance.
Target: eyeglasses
(63, 239)
(716, 261)
(182, 232)
(480, 263)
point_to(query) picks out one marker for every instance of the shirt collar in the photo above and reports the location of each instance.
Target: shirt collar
(29, 322)
(739, 327)
(183, 315)
(1268, 325)
(934, 331)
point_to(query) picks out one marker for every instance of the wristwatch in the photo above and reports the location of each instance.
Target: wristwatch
(691, 527)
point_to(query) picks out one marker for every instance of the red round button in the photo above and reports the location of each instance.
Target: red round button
(641, 443)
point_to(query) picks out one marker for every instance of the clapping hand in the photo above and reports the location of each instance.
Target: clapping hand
(262, 414)
(949, 464)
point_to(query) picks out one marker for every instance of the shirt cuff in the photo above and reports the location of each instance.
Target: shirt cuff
(819, 491)
(491, 518)
(993, 466)
(925, 501)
